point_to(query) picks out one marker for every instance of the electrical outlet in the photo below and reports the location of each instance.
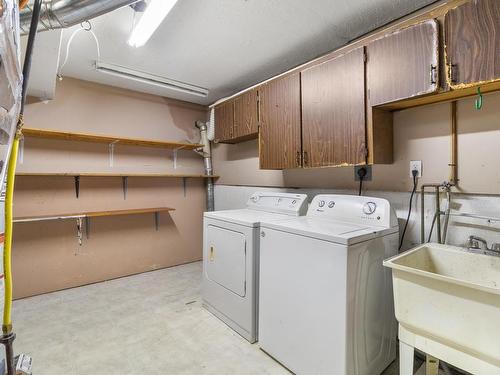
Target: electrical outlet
(416, 165)
(367, 168)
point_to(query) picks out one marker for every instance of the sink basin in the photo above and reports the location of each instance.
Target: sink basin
(447, 303)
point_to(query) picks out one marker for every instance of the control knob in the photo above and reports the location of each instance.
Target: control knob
(369, 208)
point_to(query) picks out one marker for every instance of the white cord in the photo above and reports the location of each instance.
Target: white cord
(68, 45)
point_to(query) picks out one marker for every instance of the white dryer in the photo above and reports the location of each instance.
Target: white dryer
(231, 257)
(325, 299)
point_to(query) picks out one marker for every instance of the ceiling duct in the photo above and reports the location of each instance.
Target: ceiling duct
(59, 14)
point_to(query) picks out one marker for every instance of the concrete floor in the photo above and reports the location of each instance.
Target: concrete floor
(151, 323)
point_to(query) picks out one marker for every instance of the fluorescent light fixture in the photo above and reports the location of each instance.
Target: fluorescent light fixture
(153, 16)
(150, 79)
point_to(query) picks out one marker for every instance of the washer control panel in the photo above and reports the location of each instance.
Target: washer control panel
(353, 208)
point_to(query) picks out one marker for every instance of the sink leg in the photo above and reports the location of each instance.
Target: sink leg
(405, 359)
(431, 365)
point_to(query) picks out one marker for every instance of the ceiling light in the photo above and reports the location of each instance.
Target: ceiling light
(154, 14)
(150, 79)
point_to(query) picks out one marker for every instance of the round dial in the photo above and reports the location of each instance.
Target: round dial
(369, 208)
(331, 204)
(321, 203)
(255, 198)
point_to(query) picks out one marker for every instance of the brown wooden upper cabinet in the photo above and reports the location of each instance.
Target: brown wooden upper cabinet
(279, 138)
(333, 111)
(246, 112)
(403, 64)
(472, 40)
(236, 120)
(224, 120)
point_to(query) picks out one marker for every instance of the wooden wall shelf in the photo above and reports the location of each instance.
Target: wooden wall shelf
(87, 215)
(104, 174)
(123, 176)
(90, 214)
(97, 138)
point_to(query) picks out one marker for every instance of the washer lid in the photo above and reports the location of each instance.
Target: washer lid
(245, 216)
(340, 232)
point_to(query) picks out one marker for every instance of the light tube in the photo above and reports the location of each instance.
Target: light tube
(153, 16)
(150, 79)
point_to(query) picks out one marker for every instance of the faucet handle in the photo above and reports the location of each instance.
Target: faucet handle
(495, 247)
(474, 242)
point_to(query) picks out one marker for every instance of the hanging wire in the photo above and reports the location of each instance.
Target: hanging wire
(409, 210)
(84, 26)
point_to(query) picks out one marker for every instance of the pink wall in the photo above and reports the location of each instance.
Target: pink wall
(46, 255)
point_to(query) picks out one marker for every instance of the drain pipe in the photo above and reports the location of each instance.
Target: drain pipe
(206, 152)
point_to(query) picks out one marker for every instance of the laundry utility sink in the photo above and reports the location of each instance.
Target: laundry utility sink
(447, 303)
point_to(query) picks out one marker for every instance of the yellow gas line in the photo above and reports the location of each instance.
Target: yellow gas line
(7, 259)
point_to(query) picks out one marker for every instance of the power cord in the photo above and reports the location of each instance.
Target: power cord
(414, 174)
(361, 174)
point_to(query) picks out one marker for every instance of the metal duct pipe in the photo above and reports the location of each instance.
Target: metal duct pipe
(207, 160)
(58, 14)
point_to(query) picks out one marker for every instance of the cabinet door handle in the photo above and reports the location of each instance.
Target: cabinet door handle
(452, 71)
(433, 74)
(306, 158)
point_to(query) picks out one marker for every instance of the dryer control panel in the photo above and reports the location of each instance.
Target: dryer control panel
(353, 208)
(282, 203)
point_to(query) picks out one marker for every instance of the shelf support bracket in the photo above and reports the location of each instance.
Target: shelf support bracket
(87, 227)
(174, 157)
(184, 180)
(77, 186)
(79, 223)
(111, 149)
(157, 220)
(125, 186)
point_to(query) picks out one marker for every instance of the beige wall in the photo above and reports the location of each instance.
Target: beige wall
(46, 255)
(419, 134)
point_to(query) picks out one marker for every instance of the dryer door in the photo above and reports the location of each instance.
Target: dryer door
(226, 258)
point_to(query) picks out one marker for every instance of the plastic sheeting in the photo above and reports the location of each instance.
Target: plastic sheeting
(10, 79)
(10, 105)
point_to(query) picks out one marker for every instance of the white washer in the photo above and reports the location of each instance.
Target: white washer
(325, 299)
(231, 257)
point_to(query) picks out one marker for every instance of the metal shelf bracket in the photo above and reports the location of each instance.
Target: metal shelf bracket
(125, 186)
(77, 186)
(87, 227)
(157, 220)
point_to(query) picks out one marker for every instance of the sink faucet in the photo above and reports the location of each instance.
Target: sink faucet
(475, 242)
(478, 243)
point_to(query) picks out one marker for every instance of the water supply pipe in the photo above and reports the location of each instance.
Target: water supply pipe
(447, 185)
(60, 14)
(206, 152)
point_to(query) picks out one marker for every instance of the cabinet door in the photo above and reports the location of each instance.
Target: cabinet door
(224, 120)
(472, 33)
(279, 137)
(246, 124)
(403, 64)
(333, 111)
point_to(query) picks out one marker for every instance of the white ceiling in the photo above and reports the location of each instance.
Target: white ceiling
(227, 45)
